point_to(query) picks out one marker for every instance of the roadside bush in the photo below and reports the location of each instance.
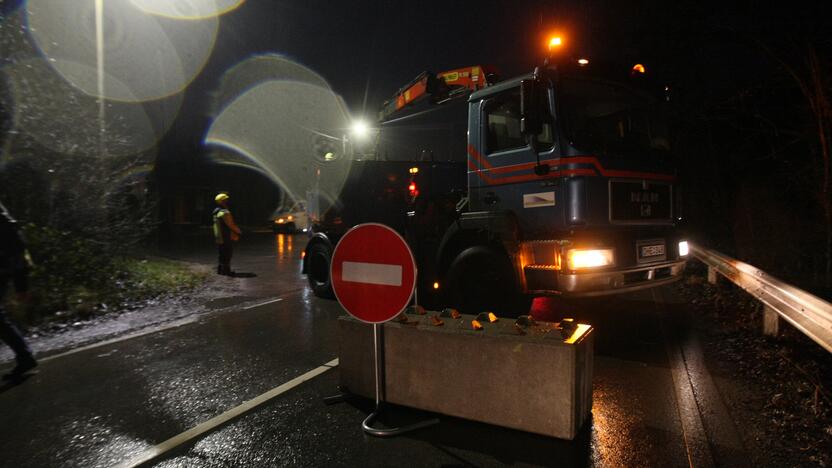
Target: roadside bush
(74, 277)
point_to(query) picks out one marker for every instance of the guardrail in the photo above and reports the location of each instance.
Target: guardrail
(809, 314)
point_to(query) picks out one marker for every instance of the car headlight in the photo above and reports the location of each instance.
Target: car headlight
(684, 249)
(280, 221)
(578, 259)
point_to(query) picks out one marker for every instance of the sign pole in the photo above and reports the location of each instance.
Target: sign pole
(367, 425)
(376, 353)
(374, 278)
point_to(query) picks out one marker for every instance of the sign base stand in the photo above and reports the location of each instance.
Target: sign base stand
(367, 425)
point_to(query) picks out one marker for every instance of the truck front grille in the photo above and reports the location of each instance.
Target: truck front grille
(640, 202)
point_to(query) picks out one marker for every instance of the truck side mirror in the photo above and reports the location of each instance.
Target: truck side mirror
(529, 110)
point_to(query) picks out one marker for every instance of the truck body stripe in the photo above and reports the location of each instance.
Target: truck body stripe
(491, 175)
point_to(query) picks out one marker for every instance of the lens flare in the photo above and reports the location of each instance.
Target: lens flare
(63, 119)
(286, 128)
(187, 9)
(259, 69)
(145, 57)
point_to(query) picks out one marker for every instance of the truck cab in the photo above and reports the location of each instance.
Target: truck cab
(551, 183)
(586, 193)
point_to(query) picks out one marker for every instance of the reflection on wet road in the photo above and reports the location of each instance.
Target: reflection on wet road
(105, 405)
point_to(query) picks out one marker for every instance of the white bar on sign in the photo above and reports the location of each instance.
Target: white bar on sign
(372, 273)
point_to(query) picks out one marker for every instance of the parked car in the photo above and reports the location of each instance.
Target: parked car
(292, 220)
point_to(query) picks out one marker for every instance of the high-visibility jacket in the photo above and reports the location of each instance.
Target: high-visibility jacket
(222, 233)
(224, 228)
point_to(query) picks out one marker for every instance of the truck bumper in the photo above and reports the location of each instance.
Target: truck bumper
(573, 284)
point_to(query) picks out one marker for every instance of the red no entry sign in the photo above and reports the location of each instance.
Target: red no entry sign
(373, 273)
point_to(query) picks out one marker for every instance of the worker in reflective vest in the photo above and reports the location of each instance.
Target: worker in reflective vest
(226, 233)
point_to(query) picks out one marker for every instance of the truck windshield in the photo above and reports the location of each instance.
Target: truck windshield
(610, 119)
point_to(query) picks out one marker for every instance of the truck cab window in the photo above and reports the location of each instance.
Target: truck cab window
(610, 119)
(502, 114)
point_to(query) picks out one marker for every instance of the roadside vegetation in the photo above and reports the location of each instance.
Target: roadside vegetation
(78, 279)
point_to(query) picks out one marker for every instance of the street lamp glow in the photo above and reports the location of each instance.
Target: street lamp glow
(360, 129)
(555, 42)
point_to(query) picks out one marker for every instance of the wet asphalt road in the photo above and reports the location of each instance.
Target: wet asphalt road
(654, 403)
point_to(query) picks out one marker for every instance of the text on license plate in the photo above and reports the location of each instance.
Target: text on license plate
(652, 250)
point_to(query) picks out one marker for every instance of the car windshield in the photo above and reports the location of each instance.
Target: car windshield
(610, 119)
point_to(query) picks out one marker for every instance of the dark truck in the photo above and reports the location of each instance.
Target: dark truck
(552, 183)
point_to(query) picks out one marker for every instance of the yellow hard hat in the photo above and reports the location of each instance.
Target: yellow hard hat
(221, 197)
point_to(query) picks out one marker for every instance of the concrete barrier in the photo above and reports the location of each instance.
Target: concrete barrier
(532, 380)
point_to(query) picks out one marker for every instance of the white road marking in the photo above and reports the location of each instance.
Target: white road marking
(263, 303)
(216, 421)
(372, 273)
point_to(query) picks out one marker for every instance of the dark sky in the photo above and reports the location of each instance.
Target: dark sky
(384, 43)
(375, 47)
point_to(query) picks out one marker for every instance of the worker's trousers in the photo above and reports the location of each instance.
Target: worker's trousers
(225, 251)
(8, 332)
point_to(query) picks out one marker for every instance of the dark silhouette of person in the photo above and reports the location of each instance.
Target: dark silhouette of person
(14, 265)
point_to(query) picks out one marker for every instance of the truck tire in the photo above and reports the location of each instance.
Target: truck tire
(481, 279)
(319, 257)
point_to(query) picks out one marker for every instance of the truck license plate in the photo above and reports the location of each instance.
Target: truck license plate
(655, 250)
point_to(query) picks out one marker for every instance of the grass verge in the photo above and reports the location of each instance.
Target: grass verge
(76, 279)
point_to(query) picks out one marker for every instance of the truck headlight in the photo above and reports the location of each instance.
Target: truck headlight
(595, 258)
(684, 250)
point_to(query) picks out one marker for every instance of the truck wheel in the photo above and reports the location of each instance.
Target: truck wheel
(319, 257)
(481, 279)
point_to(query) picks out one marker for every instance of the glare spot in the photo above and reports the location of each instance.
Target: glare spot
(145, 57)
(65, 120)
(187, 9)
(286, 128)
(282, 119)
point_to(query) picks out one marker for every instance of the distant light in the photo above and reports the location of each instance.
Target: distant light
(414, 170)
(436, 285)
(684, 249)
(583, 62)
(555, 42)
(360, 129)
(638, 68)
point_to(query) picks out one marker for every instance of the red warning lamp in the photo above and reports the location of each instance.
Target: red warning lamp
(638, 69)
(413, 189)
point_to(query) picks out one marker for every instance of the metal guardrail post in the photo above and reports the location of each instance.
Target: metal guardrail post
(712, 276)
(782, 301)
(771, 321)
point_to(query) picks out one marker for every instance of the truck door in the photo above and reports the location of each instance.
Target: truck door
(501, 163)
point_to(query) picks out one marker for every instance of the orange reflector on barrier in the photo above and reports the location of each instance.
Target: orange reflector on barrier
(436, 321)
(476, 324)
(492, 318)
